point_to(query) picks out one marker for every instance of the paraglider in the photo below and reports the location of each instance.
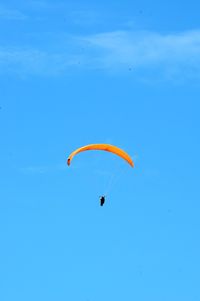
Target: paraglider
(104, 147)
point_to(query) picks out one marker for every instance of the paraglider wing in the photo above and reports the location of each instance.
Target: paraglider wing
(105, 147)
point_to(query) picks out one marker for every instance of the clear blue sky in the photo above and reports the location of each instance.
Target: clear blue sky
(79, 72)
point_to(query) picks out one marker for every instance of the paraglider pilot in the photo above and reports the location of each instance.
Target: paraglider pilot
(102, 200)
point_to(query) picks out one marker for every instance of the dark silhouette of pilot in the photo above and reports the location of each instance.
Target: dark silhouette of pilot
(102, 200)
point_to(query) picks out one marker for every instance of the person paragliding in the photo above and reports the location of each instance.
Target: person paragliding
(103, 147)
(102, 200)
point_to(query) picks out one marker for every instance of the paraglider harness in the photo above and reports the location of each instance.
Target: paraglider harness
(102, 200)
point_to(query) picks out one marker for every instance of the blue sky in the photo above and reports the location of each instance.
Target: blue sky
(119, 72)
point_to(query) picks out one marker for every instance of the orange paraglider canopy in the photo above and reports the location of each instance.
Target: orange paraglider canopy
(105, 147)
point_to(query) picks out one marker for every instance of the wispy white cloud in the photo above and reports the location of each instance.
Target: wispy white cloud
(35, 62)
(11, 14)
(173, 52)
(172, 55)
